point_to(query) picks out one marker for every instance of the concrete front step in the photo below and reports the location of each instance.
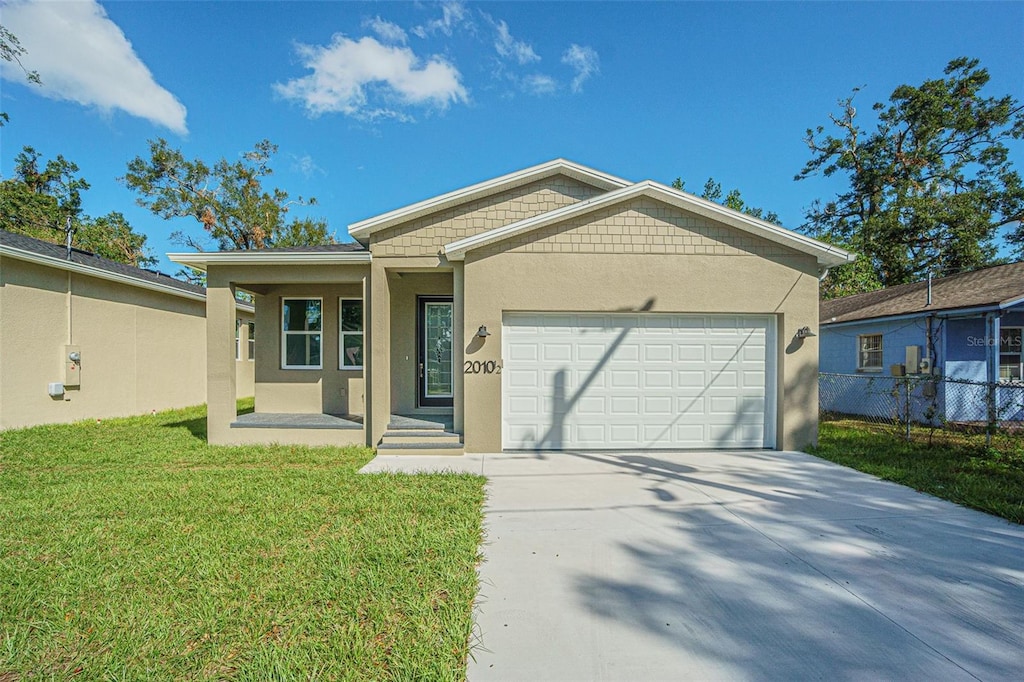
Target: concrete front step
(436, 437)
(421, 448)
(400, 422)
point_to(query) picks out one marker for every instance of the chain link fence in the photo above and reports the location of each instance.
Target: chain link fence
(928, 408)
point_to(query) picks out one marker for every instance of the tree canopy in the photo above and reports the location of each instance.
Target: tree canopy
(41, 199)
(713, 192)
(227, 199)
(928, 187)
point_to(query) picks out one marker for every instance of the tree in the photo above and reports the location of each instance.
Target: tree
(928, 189)
(227, 199)
(12, 51)
(733, 199)
(41, 198)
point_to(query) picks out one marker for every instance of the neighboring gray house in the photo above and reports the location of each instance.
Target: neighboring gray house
(968, 328)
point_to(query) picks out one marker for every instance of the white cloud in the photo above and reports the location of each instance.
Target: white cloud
(539, 84)
(388, 32)
(83, 56)
(584, 61)
(367, 80)
(510, 48)
(307, 166)
(453, 15)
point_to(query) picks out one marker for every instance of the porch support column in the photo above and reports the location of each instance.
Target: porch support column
(458, 343)
(378, 360)
(220, 358)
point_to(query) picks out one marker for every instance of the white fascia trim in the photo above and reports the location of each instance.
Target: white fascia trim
(483, 189)
(1011, 302)
(99, 273)
(201, 260)
(826, 254)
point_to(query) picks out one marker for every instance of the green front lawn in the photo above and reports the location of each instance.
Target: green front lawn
(131, 549)
(962, 472)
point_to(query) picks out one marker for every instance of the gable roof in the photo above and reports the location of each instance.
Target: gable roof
(487, 188)
(999, 286)
(826, 254)
(26, 248)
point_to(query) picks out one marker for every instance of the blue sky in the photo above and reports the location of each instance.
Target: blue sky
(378, 105)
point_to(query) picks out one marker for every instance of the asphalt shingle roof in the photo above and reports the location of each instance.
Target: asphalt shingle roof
(991, 286)
(59, 252)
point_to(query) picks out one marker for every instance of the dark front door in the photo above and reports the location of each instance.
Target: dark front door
(434, 340)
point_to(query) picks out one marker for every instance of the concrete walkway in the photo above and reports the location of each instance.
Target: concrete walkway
(755, 565)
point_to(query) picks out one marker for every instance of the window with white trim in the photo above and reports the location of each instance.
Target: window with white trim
(238, 347)
(1011, 356)
(350, 322)
(252, 340)
(869, 353)
(301, 333)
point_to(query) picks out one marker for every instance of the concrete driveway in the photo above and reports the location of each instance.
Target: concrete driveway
(737, 565)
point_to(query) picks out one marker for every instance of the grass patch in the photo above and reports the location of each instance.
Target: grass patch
(132, 549)
(985, 479)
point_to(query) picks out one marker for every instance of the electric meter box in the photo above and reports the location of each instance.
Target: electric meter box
(72, 367)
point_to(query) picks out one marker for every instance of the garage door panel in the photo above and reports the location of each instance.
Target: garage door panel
(690, 378)
(589, 352)
(557, 352)
(723, 378)
(658, 353)
(689, 352)
(624, 405)
(723, 405)
(657, 405)
(724, 352)
(595, 382)
(522, 378)
(636, 381)
(624, 378)
(523, 352)
(590, 404)
(524, 404)
(657, 379)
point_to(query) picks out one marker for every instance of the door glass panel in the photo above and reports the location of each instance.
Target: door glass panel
(437, 351)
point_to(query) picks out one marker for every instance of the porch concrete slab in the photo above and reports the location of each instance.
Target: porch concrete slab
(280, 420)
(737, 565)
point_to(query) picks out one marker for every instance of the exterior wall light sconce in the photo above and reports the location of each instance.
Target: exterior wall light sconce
(804, 332)
(482, 332)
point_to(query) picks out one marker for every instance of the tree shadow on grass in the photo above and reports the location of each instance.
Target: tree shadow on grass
(197, 426)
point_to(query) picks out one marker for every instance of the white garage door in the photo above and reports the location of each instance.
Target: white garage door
(628, 381)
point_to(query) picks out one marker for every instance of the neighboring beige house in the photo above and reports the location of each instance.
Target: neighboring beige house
(85, 337)
(554, 308)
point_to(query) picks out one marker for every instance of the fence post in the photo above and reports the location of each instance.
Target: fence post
(990, 397)
(906, 408)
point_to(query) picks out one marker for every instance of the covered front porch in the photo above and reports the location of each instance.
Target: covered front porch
(346, 351)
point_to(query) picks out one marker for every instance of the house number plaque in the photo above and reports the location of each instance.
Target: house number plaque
(482, 367)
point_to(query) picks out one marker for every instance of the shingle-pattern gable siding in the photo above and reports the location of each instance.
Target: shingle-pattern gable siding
(639, 226)
(427, 235)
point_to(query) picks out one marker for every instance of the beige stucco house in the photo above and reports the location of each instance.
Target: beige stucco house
(85, 337)
(557, 307)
